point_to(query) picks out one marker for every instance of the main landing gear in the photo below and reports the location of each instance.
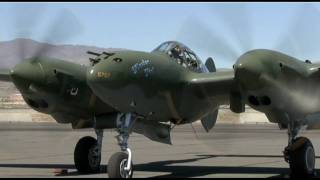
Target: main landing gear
(299, 153)
(87, 154)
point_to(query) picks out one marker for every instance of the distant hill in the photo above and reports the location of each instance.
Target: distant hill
(11, 52)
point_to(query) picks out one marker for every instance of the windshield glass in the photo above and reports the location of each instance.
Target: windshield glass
(181, 54)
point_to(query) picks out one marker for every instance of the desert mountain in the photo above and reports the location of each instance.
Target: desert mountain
(11, 52)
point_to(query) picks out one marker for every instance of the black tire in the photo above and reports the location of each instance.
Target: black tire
(115, 163)
(81, 155)
(302, 158)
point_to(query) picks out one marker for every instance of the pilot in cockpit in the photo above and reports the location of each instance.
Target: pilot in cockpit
(176, 53)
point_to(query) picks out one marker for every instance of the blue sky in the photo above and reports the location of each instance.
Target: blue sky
(143, 26)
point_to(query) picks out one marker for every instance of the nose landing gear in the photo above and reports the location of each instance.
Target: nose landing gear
(120, 164)
(87, 154)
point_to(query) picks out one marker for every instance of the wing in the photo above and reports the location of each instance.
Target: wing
(215, 86)
(5, 75)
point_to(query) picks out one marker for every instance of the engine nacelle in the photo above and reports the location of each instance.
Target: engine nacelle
(272, 82)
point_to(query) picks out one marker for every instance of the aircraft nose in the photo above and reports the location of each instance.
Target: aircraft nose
(95, 75)
(102, 75)
(109, 80)
(106, 76)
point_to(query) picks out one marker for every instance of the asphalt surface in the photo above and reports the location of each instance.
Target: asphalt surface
(39, 149)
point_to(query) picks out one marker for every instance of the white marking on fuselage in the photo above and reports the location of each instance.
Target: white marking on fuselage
(142, 66)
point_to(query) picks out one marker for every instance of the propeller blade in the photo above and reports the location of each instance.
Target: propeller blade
(301, 38)
(236, 18)
(211, 66)
(64, 27)
(198, 35)
(209, 121)
(26, 20)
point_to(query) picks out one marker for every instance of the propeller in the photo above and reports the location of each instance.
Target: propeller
(24, 22)
(197, 34)
(236, 19)
(64, 27)
(34, 21)
(27, 22)
(302, 36)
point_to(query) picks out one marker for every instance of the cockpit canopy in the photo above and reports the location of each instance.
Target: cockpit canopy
(182, 55)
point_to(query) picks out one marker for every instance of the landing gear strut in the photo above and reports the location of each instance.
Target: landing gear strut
(299, 153)
(120, 164)
(87, 154)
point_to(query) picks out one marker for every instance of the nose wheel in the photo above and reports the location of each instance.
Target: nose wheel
(120, 164)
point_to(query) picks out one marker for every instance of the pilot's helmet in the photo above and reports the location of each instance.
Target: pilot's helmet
(177, 48)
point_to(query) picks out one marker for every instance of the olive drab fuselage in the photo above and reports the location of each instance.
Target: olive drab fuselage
(149, 84)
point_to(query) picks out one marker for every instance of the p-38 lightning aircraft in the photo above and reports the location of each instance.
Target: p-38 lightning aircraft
(147, 92)
(150, 92)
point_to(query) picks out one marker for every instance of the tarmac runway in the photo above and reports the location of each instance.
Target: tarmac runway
(39, 149)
